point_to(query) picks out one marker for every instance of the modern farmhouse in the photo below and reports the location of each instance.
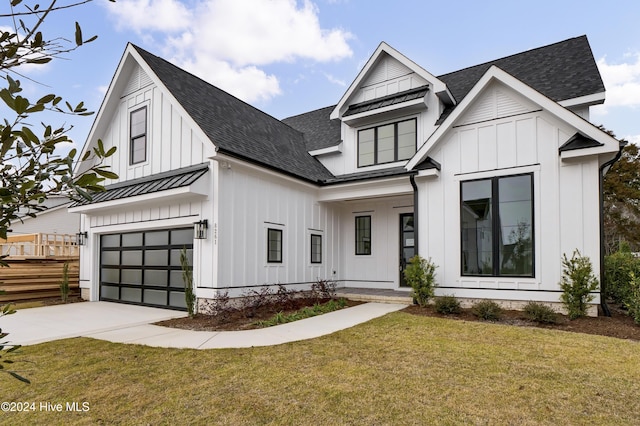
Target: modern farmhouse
(493, 172)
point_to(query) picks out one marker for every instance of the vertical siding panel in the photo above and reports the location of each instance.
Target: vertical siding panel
(164, 153)
(487, 149)
(506, 145)
(174, 147)
(157, 135)
(469, 150)
(526, 152)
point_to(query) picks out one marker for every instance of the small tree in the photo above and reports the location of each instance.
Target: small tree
(420, 275)
(578, 281)
(64, 283)
(187, 277)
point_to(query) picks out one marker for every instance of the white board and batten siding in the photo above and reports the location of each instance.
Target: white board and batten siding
(173, 141)
(502, 135)
(250, 202)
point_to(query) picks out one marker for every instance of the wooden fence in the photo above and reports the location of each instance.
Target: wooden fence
(35, 267)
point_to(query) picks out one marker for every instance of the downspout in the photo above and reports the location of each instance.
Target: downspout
(415, 212)
(603, 302)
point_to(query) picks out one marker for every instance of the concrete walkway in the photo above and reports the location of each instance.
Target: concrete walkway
(121, 323)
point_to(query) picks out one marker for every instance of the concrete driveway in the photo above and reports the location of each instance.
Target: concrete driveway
(37, 325)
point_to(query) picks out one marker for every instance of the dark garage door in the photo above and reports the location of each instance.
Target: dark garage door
(143, 268)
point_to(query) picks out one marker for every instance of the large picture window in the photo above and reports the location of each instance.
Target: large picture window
(138, 133)
(363, 235)
(497, 226)
(386, 144)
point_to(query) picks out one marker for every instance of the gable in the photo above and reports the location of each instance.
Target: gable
(497, 101)
(387, 77)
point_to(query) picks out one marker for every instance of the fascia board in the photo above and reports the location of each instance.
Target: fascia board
(594, 99)
(495, 73)
(196, 190)
(365, 189)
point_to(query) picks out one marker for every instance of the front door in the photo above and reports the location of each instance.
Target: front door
(407, 244)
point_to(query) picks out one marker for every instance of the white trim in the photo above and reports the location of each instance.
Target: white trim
(366, 189)
(486, 174)
(328, 150)
(594, 99)
(494, 73)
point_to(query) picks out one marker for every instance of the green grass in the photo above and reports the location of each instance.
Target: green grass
(398, 369)
(306, 312)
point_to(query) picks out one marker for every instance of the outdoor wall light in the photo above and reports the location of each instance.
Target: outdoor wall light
(200, 229)
(81, 238)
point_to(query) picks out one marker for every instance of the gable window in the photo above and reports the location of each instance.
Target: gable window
(138, 134)
(386, 144)
(497, 226)
(363, 235)
(316, 248)
(274, 245)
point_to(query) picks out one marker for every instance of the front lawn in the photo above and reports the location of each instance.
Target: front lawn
(398, 369)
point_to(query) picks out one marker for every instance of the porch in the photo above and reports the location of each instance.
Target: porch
(375, 295)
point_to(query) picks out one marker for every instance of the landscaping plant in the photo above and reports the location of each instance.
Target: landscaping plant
(540, 313)
(617, 269)
(187, 277)
(487, 310)
(578, 281)
(633, 300)
(64, 284)
(447, 305)
(420, 275)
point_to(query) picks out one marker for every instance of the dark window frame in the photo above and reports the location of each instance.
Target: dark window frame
(495, 225)
(278, 253)
(361, 247)
(395, 142)
(313, 259)
(133, 138)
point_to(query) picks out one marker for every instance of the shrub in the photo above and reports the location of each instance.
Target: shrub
(64, 283)
(578, 281)
(633, 300)
(540, 313)
(617, 269)
(487, 310)
(187, 277)
(323, 289)
(447, 305)
(252, 300)
(420, 275)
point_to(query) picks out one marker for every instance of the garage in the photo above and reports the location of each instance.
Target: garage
(143, 268)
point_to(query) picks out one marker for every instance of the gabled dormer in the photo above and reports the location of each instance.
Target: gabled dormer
(389, 109)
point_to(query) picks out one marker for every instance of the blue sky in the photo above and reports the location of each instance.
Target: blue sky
(288, 57)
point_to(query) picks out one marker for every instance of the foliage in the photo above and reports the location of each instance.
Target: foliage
(187, 277)
(447, 305)
(540, 313)
(578, 281)
(64, 283)
(252, 300)
(31, 168)
(306, 312)
(6, 349)
(617, 269)
(632, 302)
(621, 193)
(420, 275)
(218, 307)
(323, 289)
(487, 310)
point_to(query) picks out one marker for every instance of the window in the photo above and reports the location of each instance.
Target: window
(274, 245)
(363, 235)
(386, 144)
(316, 248)
(497, 226)
(138, 122)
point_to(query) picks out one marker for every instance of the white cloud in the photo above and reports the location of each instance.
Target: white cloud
(227, 41)
(335, 80)
(622, 82)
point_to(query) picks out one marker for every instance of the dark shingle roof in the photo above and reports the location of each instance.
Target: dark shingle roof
(146, 185)
(579, 141)
(235, 127)
(560, 71)
(318, 129)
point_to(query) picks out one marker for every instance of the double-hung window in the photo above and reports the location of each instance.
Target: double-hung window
(138, 134)
(386, 144)
(497, 226)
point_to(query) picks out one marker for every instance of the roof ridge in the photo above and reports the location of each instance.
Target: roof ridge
(513, 55)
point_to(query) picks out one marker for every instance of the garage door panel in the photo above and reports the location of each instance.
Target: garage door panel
(144, 267)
